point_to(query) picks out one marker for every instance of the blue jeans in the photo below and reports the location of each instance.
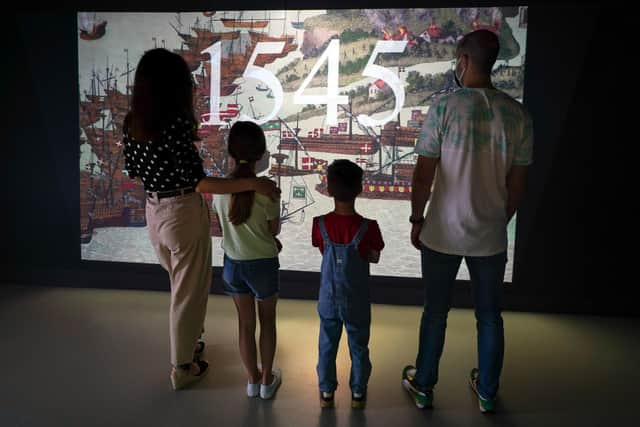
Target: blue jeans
(439, 273)
(344, 299)
(260, 277)
(358, 339)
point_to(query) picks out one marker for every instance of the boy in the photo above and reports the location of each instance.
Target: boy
(348, 243)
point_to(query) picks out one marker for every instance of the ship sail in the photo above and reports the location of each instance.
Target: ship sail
(86, 21)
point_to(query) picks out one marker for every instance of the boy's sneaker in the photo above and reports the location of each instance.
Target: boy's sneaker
(422, 399)
(485, 405)
(358, 400)
(267, 391)
(326, 399)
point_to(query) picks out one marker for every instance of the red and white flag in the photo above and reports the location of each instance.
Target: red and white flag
(307, 163)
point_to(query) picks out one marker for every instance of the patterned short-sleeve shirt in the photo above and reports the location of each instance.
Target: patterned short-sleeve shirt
(168, 162)
(478, 135)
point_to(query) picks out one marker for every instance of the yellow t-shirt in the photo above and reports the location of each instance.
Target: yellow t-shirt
(251, 239)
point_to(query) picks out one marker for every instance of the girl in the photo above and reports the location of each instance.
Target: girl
(250, 223)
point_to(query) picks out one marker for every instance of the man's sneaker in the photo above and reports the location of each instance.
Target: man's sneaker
(326, 399)
(267, 391)
(422, 399)
(358, 400)
(485, 405)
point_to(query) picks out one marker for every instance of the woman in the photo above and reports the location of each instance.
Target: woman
(158, 137)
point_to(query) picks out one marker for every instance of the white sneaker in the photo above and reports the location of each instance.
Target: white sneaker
(267, 391)
(253, 390)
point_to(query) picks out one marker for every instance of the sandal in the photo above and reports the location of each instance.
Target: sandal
(199, 351)
(182, 377)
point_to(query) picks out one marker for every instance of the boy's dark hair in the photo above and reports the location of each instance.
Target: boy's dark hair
(344, 180)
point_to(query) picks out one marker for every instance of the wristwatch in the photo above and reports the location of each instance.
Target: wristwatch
(414, 220)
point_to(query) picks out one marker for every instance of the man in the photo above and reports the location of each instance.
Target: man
(480, 142)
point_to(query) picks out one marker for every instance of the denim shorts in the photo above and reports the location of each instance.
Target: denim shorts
(260, 277)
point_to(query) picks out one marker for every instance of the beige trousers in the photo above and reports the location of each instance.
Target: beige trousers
(179, 231)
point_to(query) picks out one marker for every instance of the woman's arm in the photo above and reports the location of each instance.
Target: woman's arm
(274, 226)
(217, 185)
(273, 216)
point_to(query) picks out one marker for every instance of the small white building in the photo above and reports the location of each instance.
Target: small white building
(376, 87)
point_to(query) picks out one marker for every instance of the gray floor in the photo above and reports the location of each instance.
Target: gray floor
(75, 357)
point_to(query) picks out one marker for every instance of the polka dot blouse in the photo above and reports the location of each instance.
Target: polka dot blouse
(167, 163)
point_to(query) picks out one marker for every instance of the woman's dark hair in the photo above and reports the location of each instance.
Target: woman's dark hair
(246, 144)
(344, 180)
(162, 91)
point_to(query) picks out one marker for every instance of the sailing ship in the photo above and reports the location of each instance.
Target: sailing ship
(379, 185)
(90, 27)
(333, 142)
(283, 166)
(391, 180)
(108, 198)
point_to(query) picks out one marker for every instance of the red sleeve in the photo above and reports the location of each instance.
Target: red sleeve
(373, 236)
(316, 236)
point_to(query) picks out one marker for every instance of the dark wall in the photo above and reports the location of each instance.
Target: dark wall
(560, 263)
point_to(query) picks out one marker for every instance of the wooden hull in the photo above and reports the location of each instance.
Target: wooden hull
(402, 136)
(358, 144)
(286, 170)
(97, 32)
(233, 23)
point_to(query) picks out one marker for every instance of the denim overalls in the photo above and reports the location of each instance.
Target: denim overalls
(344, 298)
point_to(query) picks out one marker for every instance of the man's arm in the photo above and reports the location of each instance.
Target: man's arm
(516, 181)
(423, 175)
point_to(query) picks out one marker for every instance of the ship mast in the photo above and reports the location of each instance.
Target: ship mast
(297, 129)
(279, 152)
(94, 90)
(128, 70)
(350, 119)
(400, 70)
(393, 152)
(380, 158)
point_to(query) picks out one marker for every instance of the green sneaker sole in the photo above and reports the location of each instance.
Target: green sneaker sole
(486, 406)
(421, 399)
